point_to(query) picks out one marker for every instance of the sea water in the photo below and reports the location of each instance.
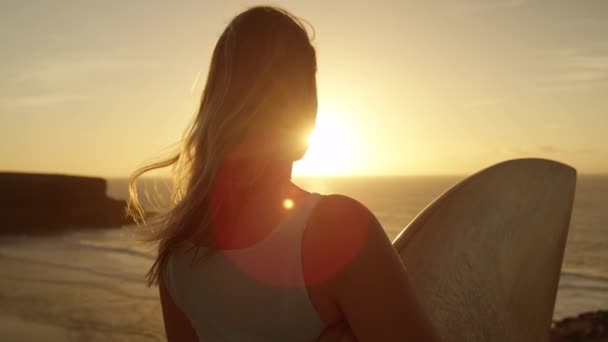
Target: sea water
(89, 283)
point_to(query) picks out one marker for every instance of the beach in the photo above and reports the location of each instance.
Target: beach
(88, 284)
(73, 289)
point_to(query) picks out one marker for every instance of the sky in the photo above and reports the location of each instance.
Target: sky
(408, 87)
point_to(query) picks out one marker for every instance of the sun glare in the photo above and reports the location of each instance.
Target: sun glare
(333, 148)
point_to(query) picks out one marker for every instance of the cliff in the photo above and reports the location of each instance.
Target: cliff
(47, 203)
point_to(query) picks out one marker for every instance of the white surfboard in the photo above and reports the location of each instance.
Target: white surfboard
(485, 257)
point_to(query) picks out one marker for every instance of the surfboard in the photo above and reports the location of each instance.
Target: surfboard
(485, 257)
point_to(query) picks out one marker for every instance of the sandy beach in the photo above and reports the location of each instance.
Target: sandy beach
(19, 329)
(46, 300)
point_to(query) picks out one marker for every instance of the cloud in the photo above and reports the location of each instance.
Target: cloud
(536, 150)
(38, 100)
(517, 150)
(580, 65)
(550, 149)
(568, 68)
(60, 70)
(57, 81)
(490, 5)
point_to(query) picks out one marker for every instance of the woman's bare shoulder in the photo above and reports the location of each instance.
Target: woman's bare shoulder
(336, 234)
(347, 251)
(339, 211)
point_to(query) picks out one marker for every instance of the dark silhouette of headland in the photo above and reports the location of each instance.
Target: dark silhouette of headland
(46, 203)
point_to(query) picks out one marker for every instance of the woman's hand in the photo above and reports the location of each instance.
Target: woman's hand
(337, 333)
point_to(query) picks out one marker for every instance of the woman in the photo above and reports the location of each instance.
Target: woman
(246, 255)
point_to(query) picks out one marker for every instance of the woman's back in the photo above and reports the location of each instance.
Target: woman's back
(256, 293)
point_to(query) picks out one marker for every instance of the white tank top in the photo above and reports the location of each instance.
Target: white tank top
(256, 293)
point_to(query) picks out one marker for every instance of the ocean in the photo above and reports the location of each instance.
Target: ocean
(88, 284)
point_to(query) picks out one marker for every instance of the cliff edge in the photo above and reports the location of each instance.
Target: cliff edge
(49, 202)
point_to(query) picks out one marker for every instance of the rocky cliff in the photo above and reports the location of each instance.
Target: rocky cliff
(47, 203)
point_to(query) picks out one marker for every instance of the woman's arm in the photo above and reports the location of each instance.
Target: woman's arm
(177, 325)
(368, 281)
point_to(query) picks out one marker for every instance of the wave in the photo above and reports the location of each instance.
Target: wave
(117, 276)
(81, 283)
(589, 288)
(585, 274)
(93, 246)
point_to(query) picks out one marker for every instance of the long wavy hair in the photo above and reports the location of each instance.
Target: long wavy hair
(260, 92)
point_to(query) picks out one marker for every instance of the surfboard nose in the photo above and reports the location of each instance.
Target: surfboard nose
(486, 255)
(549, 168)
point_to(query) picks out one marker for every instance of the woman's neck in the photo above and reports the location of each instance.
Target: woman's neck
(245, 213)
(242, 176)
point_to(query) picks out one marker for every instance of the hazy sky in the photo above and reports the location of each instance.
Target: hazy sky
(411, 87)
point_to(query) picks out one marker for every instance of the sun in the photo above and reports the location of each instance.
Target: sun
(333, 148)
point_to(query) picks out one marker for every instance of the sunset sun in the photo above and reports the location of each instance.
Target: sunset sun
(333, 147)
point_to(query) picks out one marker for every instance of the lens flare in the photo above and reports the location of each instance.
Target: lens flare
(288, 203)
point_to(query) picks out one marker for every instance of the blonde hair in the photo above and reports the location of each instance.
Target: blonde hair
(261, 79)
